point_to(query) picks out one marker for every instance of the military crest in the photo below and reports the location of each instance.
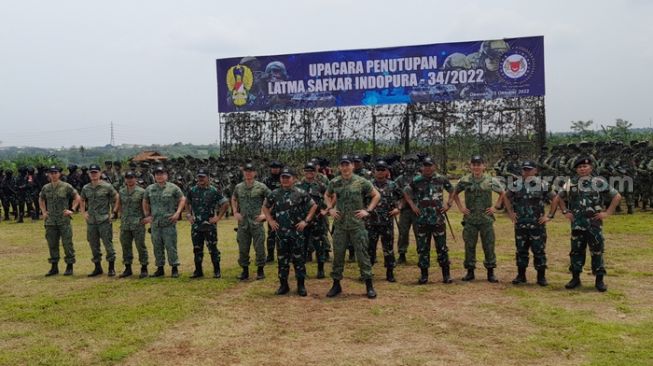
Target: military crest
(239, 82)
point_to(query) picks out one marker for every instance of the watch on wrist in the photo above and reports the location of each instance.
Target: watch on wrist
(565, 211)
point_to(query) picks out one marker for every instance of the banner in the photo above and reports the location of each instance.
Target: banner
(504, 68)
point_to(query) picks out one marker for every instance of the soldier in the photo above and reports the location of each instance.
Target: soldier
(380, 223)
(108, 171)
(132, 225)
(21, 192)
(407, 217)
(478, 217)
(206, 206)
(117, 178)
(525, 202)
(97, 198)
(428, 190)
(54, 202)
(345, 198)
(246, 203)
(163, 202)
(359, 168)
(272, 182)
(288, 211)
(585, 194)
(316, 231)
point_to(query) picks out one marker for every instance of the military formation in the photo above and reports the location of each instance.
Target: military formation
(356, 206)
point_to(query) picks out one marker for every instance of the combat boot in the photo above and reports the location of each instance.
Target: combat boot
(143, 272)
(402, 258)
(283, 287)
(309, 257)
(491, 277)
(335, 289)
(424, 278)
(127, 272)
(198, 271)
(470, 275)
(320, 270)
(20, 219)
(175, 272)
(574, 282)
(244, 275)
(446, 274)
(390, 275)
(159, 272)
(97, 271)
(69, 270)
(630, 210)
(371, 294)
(270, 257)
(301, 289)
(112, 269)
(521, 276)
(541, 277)
(259, 273)
(54, 270)
(216, 270)
(599, 284)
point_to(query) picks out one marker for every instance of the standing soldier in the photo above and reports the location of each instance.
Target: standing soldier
(272, 182)
(525, 202)
(108, 170)
(246, 203)
(345, 197)
(117, 179)
(380, 223)
(206, 206)
(54, 201)
(407, 217)
(427, 190)
(97, 199)
(359, 168)
(584, 195)
(316, 232)
(162, 205)
(288, 211)
(478, 217)
(132, 225)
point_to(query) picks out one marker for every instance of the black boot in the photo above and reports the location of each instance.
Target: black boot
(335, 289)
(54, 270)
(216, 270)
(270, 257)
(371, 294)
(599, 284)
(521, 276)
(320, 270)
(283, 287)
(470, 275)
(127, 272)
(574, 282)
(541, 277)
(301, 289)
(159, 272)
(143, 272)
(446, 274)
(244, 275)
(97, 271)
(424, 278)
(402, 258)
(390, 275)
(175, 272)
(259, 273)
(491, 277)
(631, 210)
(112, 269)
(20, 219)
(309, 257)
(69, 270)
(198, 271)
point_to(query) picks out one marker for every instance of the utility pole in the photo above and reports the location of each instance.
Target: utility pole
(113, 138)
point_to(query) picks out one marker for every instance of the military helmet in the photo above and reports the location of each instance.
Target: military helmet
(493, 50)
(457, 61)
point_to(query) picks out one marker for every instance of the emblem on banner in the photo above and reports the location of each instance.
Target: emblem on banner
(239, 82)
(517, 65)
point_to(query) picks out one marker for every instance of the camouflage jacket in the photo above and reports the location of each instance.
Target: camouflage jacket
(250, 199)
(289, 207)
(391, 194)
(57, 199)
(428, 195)
(99, 199)
(351, 195)
(163, 201)
(528, 199)
(204, 202)
(131, 204)
(585, 197)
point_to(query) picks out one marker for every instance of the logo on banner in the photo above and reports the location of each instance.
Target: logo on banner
(239, 82)
(517, 65)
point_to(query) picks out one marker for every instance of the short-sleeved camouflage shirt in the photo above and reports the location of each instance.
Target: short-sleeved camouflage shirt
(57, 199)
(131, 203)
(250, 199)
(98, 201)
(478, 196)
(163, 201)
(351, 195)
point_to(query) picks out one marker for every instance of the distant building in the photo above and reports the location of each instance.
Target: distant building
(149, 155)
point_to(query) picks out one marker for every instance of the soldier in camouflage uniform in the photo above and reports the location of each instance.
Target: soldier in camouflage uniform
(54, 201)
(425, 197)
(345, 198)
(584, 195)
(272, 182)
(132, 225)
(380, 223)
(206, 206)
(288, 210)
(316, 231)
(407, 217)
(478, 217)
(97, 198)
(525, 202)
(117, 179)
(163, 202)
(246, 203)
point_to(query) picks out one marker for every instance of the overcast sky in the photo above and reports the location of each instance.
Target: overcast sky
(69, 68)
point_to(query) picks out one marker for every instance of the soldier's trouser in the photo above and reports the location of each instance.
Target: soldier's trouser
(21, 202)
(211, 239)
(470, 236)
(248, 233)
(534, 237)
(165, 238)
(291, 248)
(9, 203)
(580, 240)
(316, 239)
(358, 239)
(37, 210)
(407, 218)
(272, 241)
(104, 231)
(439, 235)
(64, 232)
(137, 236)
(327, 243)
(386, 234)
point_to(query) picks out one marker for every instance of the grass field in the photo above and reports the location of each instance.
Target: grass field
(81, 321)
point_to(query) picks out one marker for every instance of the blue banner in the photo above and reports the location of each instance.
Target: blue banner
(504, 68)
